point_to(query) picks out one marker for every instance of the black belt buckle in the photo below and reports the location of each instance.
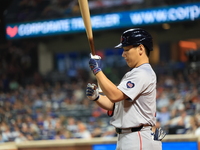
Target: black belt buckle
(119, 131)
(137, 128)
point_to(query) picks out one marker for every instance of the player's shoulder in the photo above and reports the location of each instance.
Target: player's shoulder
(144, 70)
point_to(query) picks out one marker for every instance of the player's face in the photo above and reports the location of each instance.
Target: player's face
(131, 55)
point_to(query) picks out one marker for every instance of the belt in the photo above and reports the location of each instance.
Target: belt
(129, 130)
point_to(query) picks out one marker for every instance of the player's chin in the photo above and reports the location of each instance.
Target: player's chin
(129, 65)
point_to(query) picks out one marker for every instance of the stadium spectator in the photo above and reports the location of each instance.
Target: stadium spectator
(83, 132)
(180, 124)
(163, 115)
(197, 131)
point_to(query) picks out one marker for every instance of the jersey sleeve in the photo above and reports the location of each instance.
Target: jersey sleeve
(134, 83)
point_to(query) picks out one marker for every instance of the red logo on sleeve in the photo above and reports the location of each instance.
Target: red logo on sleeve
(129, 84)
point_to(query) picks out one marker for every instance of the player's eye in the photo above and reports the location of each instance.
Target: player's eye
(126, 50)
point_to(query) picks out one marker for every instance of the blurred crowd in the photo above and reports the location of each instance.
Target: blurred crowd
(31, 10)
(50, 112)
(33, 108)
(178, 102)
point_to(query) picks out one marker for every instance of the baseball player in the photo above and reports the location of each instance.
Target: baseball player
(132, 104)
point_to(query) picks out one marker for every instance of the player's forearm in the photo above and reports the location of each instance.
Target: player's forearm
(105, 103)
(108, 88)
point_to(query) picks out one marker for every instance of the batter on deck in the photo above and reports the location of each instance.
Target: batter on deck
(132, 104)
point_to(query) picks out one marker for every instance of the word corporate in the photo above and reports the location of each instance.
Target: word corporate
(59, 26)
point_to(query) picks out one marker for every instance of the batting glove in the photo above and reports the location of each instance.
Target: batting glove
(95, 63)
(159, 134)
(92, 92)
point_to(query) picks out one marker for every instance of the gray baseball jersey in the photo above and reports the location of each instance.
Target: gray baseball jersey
(139, 84)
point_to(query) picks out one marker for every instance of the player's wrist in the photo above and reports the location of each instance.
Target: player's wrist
(96, 98)
(96, 70)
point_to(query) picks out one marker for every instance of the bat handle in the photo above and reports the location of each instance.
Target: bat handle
(91, 42)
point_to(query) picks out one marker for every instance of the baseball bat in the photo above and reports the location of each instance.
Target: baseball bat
(85, 12)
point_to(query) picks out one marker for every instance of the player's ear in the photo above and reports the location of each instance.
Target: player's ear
(141, 49)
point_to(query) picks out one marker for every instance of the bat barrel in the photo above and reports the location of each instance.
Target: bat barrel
(84, 8)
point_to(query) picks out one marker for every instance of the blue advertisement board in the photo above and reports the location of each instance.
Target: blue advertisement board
(104, 147)
(180, 145)
(184, 12)
(165, 146)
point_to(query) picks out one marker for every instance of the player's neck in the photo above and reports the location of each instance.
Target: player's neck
(143, 61)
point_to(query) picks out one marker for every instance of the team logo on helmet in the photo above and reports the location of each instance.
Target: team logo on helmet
(123, 39)
(129, 84)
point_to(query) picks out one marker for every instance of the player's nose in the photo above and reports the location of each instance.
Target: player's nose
(123, 54)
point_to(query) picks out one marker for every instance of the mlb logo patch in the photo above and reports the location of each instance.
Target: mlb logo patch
(129, 84)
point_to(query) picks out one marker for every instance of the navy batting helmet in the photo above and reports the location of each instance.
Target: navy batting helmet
(136, 37)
